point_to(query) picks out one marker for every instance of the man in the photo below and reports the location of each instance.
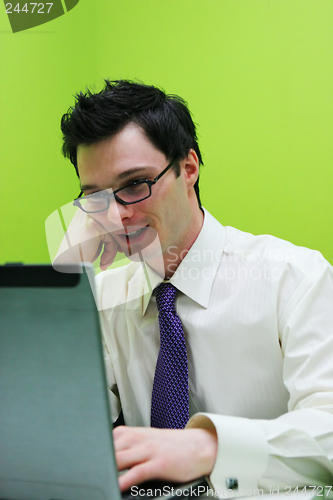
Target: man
(254, 367)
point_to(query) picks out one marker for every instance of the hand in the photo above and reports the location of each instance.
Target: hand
(84, 241)
(169, 454)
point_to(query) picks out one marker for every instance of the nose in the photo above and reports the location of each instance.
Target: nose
(118, 213)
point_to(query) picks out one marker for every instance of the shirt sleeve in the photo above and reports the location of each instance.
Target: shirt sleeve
(295, 449)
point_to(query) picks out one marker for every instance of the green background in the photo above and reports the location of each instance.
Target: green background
(258, 77)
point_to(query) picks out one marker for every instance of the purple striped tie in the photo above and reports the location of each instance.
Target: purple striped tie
(170, 404)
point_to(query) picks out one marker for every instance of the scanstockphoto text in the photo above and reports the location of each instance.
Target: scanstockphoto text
(196, 491)
(236, 265)
(232, 255)
(228, 274)
(191, 492)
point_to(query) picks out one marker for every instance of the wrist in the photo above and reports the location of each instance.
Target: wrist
(205, 448)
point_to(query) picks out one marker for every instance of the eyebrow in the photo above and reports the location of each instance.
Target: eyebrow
(120, 177)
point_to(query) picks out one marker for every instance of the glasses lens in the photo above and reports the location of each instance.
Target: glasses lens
(94, 203)
(134, 193)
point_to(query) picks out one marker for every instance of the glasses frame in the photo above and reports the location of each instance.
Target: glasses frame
(110, 196)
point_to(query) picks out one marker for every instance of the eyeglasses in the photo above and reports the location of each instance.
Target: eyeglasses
(133, 193)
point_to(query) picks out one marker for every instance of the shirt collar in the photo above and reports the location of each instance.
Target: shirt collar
(196, 273)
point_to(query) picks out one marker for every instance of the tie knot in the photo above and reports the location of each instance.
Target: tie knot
(165, 294)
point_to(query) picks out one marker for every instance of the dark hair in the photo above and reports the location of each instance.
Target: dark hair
(165, 119)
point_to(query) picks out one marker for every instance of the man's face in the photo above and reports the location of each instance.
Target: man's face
(130, 156)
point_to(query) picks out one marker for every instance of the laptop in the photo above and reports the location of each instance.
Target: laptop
(55, 426)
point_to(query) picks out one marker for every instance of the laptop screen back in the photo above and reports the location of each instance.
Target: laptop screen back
(55, 428)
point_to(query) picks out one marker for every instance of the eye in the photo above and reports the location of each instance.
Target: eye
(94, 202)
(136, 191)
(136, 186)
(135, 182)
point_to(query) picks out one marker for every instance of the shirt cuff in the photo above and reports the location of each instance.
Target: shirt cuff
(242, 454)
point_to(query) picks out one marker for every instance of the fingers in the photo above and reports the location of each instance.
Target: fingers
(86, 239)
(137, 475)
(168, 454)
(98, 251)
(126, 437)
(108, 256)
(136, 452)
(81, 241)
(128, 458)
(111, 248)
(131, 447)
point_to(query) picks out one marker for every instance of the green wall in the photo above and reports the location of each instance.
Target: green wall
(258, 77)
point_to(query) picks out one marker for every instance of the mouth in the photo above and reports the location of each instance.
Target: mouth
(133, 234)
(134, 240)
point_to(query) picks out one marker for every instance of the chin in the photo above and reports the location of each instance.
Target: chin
(149, 251)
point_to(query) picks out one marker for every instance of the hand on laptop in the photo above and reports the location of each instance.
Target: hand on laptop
(85, 240)
(166, 454)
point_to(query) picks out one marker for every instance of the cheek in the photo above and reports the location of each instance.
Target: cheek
(99, 217)
(163, 209)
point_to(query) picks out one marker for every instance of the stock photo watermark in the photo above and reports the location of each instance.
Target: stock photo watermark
(197, 491)
(26, 15)
(75, 237)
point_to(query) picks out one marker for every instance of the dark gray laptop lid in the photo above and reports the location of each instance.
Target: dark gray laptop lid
(55, 428)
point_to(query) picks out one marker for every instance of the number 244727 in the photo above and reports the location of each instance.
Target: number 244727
(39, 10)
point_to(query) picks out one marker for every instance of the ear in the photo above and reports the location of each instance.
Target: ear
(191, 168)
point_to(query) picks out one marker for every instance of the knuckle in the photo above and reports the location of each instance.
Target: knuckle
(142, 473)
(152, 449)
(119, 431)
(162, 464)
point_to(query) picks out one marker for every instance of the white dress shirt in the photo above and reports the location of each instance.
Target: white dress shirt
(257, 314)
